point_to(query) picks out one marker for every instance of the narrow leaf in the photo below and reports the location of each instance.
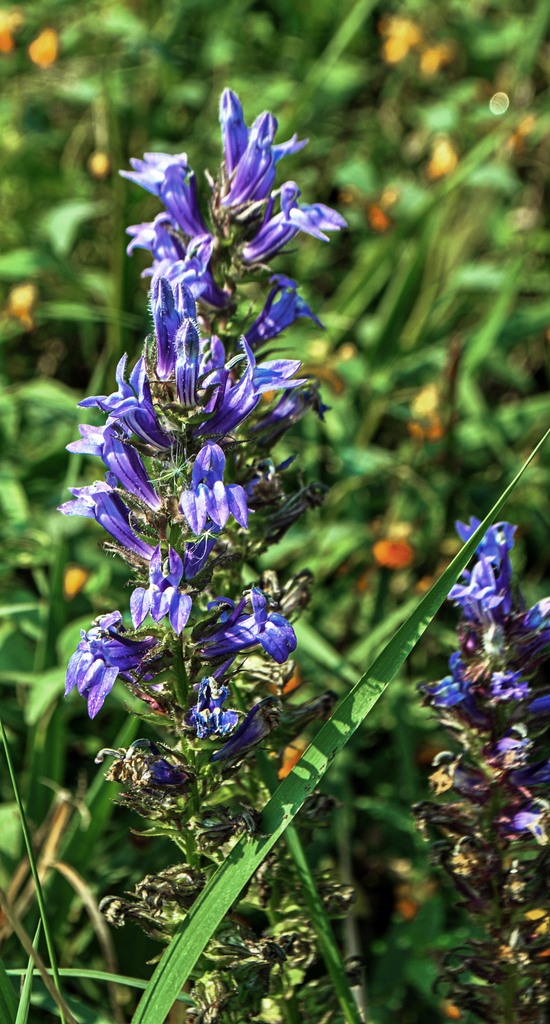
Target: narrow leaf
(224, 887)
(8, 999)
(25, 1000)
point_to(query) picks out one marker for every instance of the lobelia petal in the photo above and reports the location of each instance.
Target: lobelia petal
(100, 689)
(234, 130)
(180, 610)
(193, 506)
(236, 500)
(217, 505)
(140, 603)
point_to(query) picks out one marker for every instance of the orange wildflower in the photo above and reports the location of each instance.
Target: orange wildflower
(74, 578)
(436, 57)
(443, 160)
(44, 49)
(291, 755)
(99, 164)
(378, 220)
(450, 1011)
(21, 302)
(393, 554)
(401, 35)
(10, 21)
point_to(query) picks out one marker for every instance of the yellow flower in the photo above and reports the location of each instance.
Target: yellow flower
(443, 160)
(21, 302)
(401, 35)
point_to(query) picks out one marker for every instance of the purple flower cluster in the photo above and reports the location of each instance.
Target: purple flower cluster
(184, 444)
(185, 251)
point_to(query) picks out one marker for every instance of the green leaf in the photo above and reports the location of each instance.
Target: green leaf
(23, 263)
(25, 1000)
(8, 999)
(248, 853)
(81, 972)
(61, 224)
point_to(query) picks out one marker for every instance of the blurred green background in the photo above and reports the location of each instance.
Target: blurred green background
(429, 130)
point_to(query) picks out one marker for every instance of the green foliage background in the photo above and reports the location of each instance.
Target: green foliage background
(453, 294)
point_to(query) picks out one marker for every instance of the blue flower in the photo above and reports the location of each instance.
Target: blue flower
(531, 820)
(193, 270)
(276, 316)
(209, 497)
(102, 655)
(250, 155)
(132, 406)
(196, 554)
(507, 686)
(162, 597)
(289, 409)
(277, 230)
(498, 540)
(481, 594)
(170, 178)
(234, 402)
(259, 722)
(172, 308)
(207, 717)
(120, 458)
(534, 775)
(238, 631)
(101, 502)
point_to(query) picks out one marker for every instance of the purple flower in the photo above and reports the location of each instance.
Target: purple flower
(540, 706)
(207, 717)
(507, 686)
(234, 402)
(162, 597)
(120, 458)
(250, 156)
(193, 270)
(498, 540)
(158, 236)
(170, 308)
(104, 653)
(238, 631)
(533, 821)
(162, 773)
(196, 554)
(289, 409)
(101, 502)
(534, 775)
(209, 497)
(132, 406)
(276, 316)
(259, 722)
(170, 178)
(276, 231)
(481, 594)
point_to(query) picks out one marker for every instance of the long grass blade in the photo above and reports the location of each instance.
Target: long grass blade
(32, 862)
(25, 998)
(246, 856)
(83, 972)
(8, 999)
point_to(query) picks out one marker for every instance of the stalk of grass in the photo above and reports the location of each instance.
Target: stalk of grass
(34, 871)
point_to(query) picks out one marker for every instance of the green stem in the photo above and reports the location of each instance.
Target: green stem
(34, 871)
(320, 920)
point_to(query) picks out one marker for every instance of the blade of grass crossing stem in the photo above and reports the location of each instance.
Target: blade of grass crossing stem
(224, 887)
(83, 972)
(32, 862)
(319, 918)
(8, 999)
(25, 998)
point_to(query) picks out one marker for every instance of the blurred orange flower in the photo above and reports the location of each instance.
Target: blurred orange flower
(291, 756)
(21, 302)
(450, 1011)
(44, 49)
(443, 160)
(393, 554)
(401, 35)
(378, 220)
(10, 21)
(426, 423)
(436, 57)
(99, 164)
(74, 578)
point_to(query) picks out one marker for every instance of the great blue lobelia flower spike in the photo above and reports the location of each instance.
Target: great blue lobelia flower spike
(171, 308)
(162, 596)
(103, 654)
(209, 497)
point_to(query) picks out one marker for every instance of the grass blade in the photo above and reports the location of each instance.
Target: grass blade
(25, 999)
(246, 856)
(30, 853)
(8, 999)
(83, 972)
